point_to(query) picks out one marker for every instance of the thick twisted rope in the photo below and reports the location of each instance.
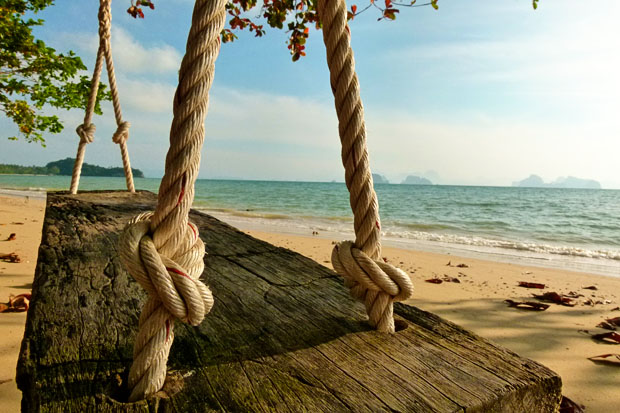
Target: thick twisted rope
(174, 292)
(163, 252)
(376, 283)
(86, 131)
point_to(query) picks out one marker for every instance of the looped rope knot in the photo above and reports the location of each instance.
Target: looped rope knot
(86, 133)
(173, 280)
(376, 283)
(122, 133)
(174, 291)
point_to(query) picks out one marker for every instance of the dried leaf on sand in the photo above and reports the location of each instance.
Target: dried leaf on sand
(434, 280)
(606, 326)
(608, 359)
(10, 257)
(17, 303)
(527, 305)
(556, 298)
(528, 284)
(610, 323)
(569, 406)
(609, 338)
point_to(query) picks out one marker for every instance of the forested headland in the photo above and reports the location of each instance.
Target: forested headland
(65, 167)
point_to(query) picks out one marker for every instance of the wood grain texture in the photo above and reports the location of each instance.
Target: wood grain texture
(284, 334)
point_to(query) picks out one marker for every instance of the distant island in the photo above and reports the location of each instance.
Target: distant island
(379, 179)
(65, 167)
(416, 180)
(535, 181)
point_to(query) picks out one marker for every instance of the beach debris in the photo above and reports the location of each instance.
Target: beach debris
(527, 272)
(17, 303)
(591, 302)
(17, 223)
(528, 284)
(527, 305)
(315, 232)
(449, 279)
(591, 287)
(614, 321)
(610, 359)
(606, 325)
(609, 338)
(569, 406)
(556, 298)
(615, 309)
(10, 257)
(434, 280)
(573, 294)
(12, 237)
(449, 264)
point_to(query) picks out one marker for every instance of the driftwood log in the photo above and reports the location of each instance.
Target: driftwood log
(284, 334)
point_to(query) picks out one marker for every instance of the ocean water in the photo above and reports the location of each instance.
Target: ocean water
(577, 229)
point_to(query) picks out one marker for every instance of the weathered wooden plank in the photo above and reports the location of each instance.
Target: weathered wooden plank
(283, 336)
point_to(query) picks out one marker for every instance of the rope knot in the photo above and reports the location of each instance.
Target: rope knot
(174, 281)
(122, 133)
(86, 132)
(376, 283)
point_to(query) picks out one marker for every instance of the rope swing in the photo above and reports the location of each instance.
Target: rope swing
(86, 131)
(369, 279)
(163, 251)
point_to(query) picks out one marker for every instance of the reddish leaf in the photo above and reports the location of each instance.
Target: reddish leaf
(614, 321)
(611, 359)
(17, 303)
(556, 298)
(569, 406)
(353, 9)
(528, 284)
(609, 338)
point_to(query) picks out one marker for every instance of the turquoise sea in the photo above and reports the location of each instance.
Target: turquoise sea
(570, 228)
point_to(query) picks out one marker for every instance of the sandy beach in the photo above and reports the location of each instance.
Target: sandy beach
(21, 215)
(476, 302)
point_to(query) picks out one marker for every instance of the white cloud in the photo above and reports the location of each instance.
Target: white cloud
(131, 56)
(272, 119)
(146, 96)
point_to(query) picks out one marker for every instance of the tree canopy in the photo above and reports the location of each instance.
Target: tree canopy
(33, 75)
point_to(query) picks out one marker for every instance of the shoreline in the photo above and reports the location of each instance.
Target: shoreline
(290, 226)
(476, 302)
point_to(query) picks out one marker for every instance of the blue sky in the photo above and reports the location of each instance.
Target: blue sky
(479, 93)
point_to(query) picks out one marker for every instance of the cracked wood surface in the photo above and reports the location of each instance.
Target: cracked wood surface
(284, 335)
